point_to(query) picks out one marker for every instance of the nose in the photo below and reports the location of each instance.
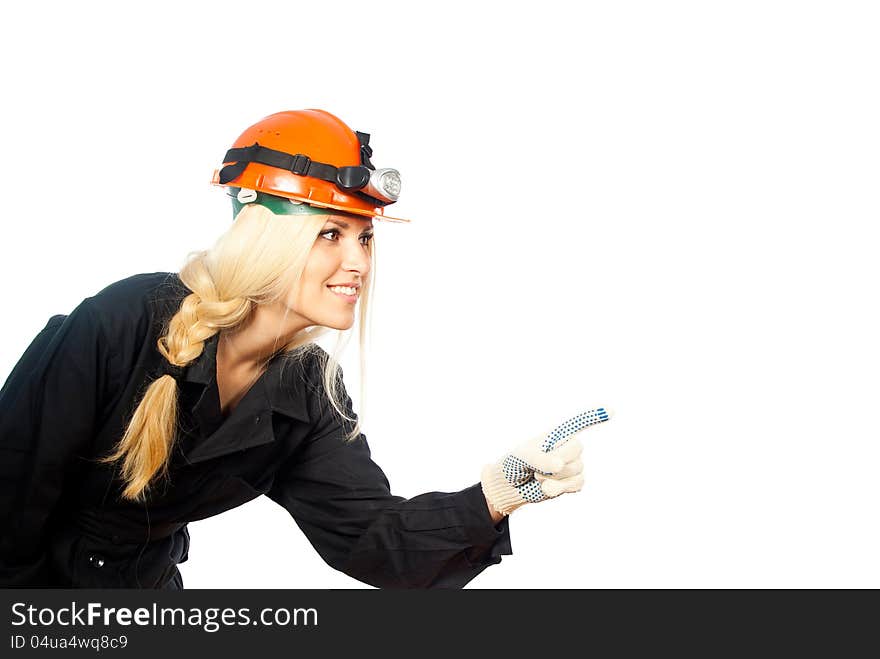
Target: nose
(355, 258)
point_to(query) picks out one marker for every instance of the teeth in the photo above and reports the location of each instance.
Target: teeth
(345, 290)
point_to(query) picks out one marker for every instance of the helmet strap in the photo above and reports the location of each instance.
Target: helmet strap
(366, 149)
(349, 178)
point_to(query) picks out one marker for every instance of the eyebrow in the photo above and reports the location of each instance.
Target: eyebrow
(345, 225)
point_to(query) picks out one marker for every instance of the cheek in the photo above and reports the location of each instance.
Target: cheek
(306, 295)
(317, 270)
(310, 295)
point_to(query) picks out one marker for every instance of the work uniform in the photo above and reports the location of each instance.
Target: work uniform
(69, 399)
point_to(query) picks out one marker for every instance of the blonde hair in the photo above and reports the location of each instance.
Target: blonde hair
(259, 260)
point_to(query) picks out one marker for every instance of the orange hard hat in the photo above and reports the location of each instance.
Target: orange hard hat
(312, 157)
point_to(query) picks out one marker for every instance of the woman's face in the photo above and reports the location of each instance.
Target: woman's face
(340, 256)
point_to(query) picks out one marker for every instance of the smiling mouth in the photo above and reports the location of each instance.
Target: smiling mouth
(344, 294)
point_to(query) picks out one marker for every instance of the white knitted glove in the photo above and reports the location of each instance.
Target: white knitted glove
(541, 468)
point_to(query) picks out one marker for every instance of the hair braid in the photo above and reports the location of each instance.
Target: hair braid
(146, 446)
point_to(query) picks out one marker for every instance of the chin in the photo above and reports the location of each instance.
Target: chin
(337, 324)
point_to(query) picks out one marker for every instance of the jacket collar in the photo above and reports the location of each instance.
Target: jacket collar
(284, 383)
(203, 369)
(286, 387)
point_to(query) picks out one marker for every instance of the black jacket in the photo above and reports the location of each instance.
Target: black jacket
(68, 400)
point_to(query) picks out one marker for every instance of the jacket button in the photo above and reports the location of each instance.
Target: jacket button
(256, 421)
(96, 561)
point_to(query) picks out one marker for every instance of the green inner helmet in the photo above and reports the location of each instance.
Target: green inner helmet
(278, 205)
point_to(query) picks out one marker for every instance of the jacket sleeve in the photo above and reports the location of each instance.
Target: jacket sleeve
(48, 409)
(342, 502)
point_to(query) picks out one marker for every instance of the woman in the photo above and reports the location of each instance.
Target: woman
(167, 398)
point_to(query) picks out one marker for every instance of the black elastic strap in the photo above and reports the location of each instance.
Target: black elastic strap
(167, 368)
(298, 164)
(366, 149)
(349, 179)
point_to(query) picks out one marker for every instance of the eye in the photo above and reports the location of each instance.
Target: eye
(365, 239)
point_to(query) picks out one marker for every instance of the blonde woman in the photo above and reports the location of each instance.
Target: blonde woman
(171, 397)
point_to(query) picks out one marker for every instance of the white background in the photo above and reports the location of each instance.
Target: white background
(666, 208)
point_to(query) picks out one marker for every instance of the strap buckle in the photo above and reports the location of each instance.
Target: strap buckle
(300, 164)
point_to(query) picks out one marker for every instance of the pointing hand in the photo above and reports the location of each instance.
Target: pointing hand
(541, 468)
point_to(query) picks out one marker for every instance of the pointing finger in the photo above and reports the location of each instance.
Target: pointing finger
(575, 424)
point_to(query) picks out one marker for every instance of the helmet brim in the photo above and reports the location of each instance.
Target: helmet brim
(322, 204)
(343, 209)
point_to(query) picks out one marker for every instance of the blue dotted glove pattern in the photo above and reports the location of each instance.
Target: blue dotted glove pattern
(573, 425)
(517, 471)
(521, 474)
(531, 491)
